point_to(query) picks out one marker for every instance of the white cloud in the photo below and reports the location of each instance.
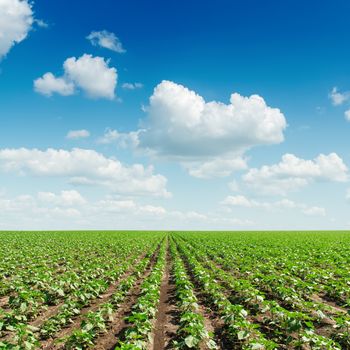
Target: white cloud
(205, 136)
(215, 168)
(41, 23)
(242, 201)
(65, 198)
(347, 115)
(123, 140)
(293, 173)
(16, 19)
(155, 210)
(239, 201)
(106, 40)
(116, 206)
(78, 134)
(84, 167)
(90, 74)
(338, 98)
(132, 86)
(48, 84)
(30, 209)
(315, 211)
(70, 210)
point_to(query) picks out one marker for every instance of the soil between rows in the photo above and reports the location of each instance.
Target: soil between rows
(109, 340)
(167, 315)
(51, 343)
(212, 320)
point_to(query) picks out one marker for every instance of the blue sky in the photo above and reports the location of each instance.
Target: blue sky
(174, 115)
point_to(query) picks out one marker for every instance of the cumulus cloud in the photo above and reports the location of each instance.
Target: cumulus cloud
(31, 209)
(242, 201)
(78, 134)
(65, 198)
(293, 173)
(16, 20)
(215, 168)
(123, 140)
(92, 75)
(208, 138)
(48, 84)
(106, 40)
(239, 201)
(315, 211)
(337, 97)
(69, 209)
(132, 86)
(84, 167)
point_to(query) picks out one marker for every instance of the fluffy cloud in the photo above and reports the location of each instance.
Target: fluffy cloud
(338, 98)
(315, 211)
(65, 198)
(242, 201)
(16, 19)
(209, 138)
(90, 74)
(77, 134)
(70, 210)
(84, 167)
(239, 201)
(215, 168)
(132, 86)
(123, 140)
(31, 209)
(106, 40)
(48, 84)
(292, 173)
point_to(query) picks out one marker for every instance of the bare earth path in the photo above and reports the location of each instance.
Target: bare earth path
(167, 314)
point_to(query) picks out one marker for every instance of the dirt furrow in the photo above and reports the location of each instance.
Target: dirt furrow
(53, 310)
(51, 343)
(4, 301)
(331, 304)
(108, 341)
(167, 314)
(212, 321)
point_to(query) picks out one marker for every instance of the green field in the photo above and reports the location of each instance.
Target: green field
(175, 290)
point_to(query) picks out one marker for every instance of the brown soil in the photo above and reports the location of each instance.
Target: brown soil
(212, 321)
(4, 301)
(52, 310)
(109, 340)
(167, 314)
(331, 304)
(51, 344)
(323, 323)
(323, 327)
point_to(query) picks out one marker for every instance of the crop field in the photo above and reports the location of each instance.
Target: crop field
(174, 290)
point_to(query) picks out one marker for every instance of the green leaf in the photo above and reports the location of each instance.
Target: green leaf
(190, 341)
